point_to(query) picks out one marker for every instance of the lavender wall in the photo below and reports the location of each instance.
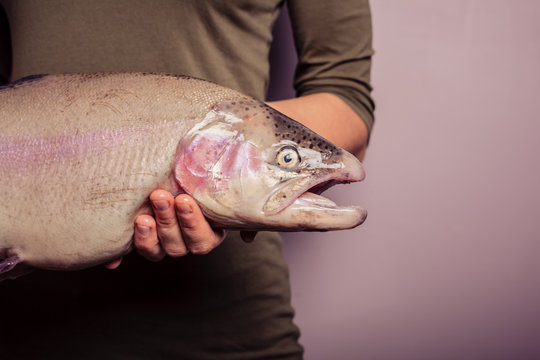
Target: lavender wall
(447, 265)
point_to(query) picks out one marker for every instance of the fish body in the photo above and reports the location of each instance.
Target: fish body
(79, 155)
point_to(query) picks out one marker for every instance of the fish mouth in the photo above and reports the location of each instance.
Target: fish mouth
(308, 210)
(313, 195)
(311, 211)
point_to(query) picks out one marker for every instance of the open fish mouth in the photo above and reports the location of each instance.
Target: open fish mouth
(307, 209)
(313, 195)
(320, 213)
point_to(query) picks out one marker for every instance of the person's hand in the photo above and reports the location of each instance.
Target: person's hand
(179, 227)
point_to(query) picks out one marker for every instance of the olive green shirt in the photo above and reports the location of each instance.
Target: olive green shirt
(226, 42)
(233, 303)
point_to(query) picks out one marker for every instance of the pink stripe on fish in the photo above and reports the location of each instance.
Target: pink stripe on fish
(25, 152)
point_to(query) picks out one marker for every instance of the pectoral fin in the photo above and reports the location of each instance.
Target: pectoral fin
(10, 270)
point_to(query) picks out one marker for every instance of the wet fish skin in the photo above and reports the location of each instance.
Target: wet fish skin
(79, 155)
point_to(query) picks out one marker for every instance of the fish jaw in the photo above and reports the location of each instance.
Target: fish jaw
(308, 210)
(317, 213)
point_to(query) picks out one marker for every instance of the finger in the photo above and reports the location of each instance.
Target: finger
(197, 233)
(145, 239)
(113, 264)
(168, 229)
(248, 236)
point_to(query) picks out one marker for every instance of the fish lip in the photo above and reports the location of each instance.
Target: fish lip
(318, 186)
(309, 211)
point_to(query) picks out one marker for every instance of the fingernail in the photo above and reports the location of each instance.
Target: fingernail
(143, 230)
(161, 205)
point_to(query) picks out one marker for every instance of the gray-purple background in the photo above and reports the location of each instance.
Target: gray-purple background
(447, 265)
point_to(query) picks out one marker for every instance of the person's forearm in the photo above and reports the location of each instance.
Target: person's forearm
(330, 117)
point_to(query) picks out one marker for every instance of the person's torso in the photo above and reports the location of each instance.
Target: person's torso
(225, 42)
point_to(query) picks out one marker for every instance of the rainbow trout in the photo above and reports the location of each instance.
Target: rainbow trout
(80, 154)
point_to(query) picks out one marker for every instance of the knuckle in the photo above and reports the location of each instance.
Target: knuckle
(144, 247)
(201, 248)
(176, 251)
(169, 237)
(190, 223)
(166, 221)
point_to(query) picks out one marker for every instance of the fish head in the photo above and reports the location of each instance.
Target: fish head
(251, 167)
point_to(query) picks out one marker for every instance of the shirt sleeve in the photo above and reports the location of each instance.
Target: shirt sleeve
(334, 44)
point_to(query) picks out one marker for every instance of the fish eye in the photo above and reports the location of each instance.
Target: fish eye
(288, 157)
